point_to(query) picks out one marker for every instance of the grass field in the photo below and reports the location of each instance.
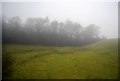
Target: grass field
(95, 61)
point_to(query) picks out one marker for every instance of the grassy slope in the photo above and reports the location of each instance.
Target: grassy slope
(96, 61)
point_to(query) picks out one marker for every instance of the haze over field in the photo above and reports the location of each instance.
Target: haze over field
(103, 14)
(60, 39)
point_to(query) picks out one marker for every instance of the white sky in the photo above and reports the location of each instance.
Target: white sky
(103, 13)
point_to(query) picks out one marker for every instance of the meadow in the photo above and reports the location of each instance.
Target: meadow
(94, 61)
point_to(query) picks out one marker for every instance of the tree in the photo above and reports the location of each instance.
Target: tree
(54, 26)
(45, 32)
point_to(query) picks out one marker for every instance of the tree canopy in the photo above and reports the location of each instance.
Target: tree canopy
(45, 32)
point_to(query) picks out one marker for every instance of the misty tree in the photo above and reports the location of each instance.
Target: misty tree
(54, 26)
(92, 31)
(45, 32)
(77, 28)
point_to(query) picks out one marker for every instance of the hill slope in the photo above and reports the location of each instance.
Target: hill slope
(95, 61)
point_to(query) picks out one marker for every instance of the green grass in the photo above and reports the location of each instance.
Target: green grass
(95, 61)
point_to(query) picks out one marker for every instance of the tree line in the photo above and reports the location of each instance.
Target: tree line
(42, 31)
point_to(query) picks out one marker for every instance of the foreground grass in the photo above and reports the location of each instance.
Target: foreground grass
(96, 61)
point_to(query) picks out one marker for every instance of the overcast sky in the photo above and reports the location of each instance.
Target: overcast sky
(103, 14)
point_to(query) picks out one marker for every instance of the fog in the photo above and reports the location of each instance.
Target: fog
(103, 14)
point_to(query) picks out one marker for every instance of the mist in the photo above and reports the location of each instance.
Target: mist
(59, 39)
(103, 14)
(43, 31)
